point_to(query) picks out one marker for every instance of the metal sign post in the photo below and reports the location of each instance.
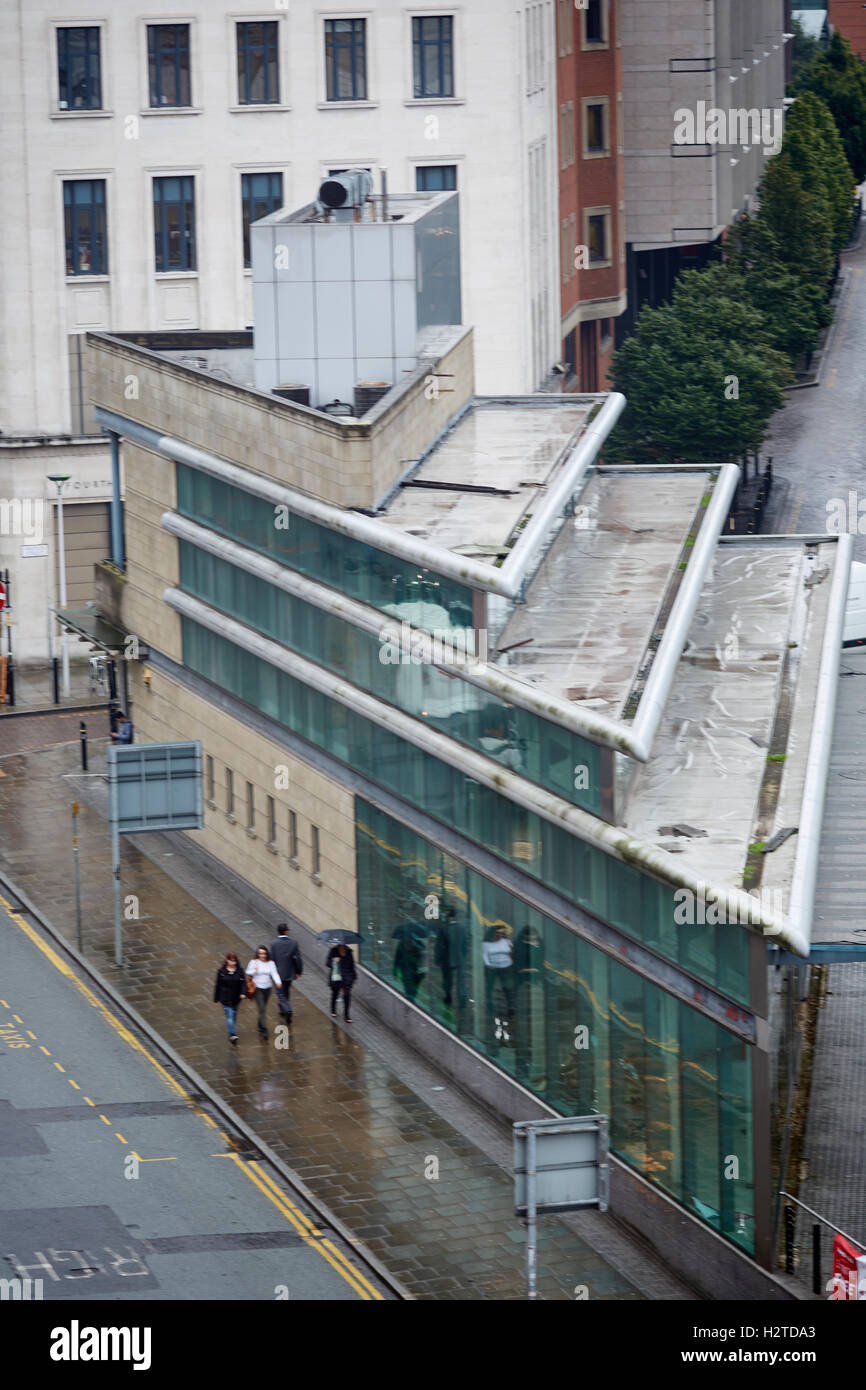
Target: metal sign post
(559, 1166)
(151, 786)
(77, 875)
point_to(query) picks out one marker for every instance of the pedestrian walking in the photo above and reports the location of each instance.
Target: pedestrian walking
(263, 975)
(229, 991)
(341, 976)
(286, 955)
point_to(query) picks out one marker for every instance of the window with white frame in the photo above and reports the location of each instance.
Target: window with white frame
(79, 68)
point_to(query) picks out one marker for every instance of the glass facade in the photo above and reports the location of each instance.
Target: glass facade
(555, 758)
(395, 586)
(582, 1031)
(644, 908)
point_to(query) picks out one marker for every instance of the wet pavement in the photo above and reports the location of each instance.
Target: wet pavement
(114, 1182)
(434, 1208)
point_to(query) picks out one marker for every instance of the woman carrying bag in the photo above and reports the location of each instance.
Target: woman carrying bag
(262, 975)
(229, 991)
(341, 976)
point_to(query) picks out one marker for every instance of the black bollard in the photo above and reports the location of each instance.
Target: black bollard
(82, 734)
(55, 676)
(790, 1218)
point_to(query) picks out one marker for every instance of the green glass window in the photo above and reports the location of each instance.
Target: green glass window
(518, 739)
(398, 588)
(549, 853)
(581, 1031)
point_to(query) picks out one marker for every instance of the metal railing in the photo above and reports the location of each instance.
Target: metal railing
(793, 1249)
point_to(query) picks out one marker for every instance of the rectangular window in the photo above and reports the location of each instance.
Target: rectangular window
(84, 227)
(209, 777)
(595, 21)
(251, 807)
(569, 119)
(168, 64)
(293, 837)
(595, 128)
(258, 64)
(230, 792)
(272, 821)
(597, 237)
(346, 59)
(435, 178)
(433, 56)
(317, 858)
(78, 69)
(566, 258)
(174, 223)
(261, 194)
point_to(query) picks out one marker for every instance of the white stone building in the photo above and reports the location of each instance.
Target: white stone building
(136, 133)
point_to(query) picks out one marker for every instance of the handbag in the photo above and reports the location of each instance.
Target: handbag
(251, 988)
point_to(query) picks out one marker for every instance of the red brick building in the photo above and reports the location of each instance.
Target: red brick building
(849, 18)
(591, 188)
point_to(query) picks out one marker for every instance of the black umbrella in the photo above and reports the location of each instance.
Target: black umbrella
(339, 937)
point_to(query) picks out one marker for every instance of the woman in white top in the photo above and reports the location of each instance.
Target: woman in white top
(264, 975)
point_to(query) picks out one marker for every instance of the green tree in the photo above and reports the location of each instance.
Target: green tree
(699, 377)
(794, 311)
(816, 152)
(839, 79)
(802, 229)
(804, 48)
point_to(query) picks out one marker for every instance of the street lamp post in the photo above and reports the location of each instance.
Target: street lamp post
(59, 479)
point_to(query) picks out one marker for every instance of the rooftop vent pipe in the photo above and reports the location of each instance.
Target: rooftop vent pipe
(348, 190)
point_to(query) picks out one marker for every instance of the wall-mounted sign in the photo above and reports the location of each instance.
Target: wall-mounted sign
(29, 551)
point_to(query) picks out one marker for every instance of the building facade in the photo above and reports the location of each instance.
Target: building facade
(591, 188)
(141, 141)
(547, 871)
(704, 90)
(848, 19)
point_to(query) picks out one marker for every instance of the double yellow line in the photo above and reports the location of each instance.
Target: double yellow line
(251, 1170)
(307, 1231)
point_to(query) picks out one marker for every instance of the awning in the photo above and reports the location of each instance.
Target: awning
(92, 627)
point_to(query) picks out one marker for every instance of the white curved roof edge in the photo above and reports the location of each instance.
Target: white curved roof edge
(596, 727)
(802, 899)
(737, 905)
(505, 580)
(662, 672)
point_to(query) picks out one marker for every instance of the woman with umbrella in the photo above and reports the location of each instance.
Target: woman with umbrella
(341, 969)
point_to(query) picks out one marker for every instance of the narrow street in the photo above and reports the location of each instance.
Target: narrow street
(818, 442)
(115, 1182)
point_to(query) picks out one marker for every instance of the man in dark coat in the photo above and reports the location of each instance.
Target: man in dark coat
(286, 955)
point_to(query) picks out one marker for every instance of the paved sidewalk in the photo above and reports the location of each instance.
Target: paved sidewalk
(332, 1107)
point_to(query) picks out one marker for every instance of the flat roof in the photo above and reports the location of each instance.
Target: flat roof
(477, 483)
(728, 764)
(594, 603)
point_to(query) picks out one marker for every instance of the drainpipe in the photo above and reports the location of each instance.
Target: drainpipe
(117, 554)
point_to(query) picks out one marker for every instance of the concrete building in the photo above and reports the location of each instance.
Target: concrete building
(533, 728)
(140, 141)
(591, 188)
(704, 89)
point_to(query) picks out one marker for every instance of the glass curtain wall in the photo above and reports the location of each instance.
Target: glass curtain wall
(401, 589)
(643, 907)
(580, 1030)
(555, 758)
